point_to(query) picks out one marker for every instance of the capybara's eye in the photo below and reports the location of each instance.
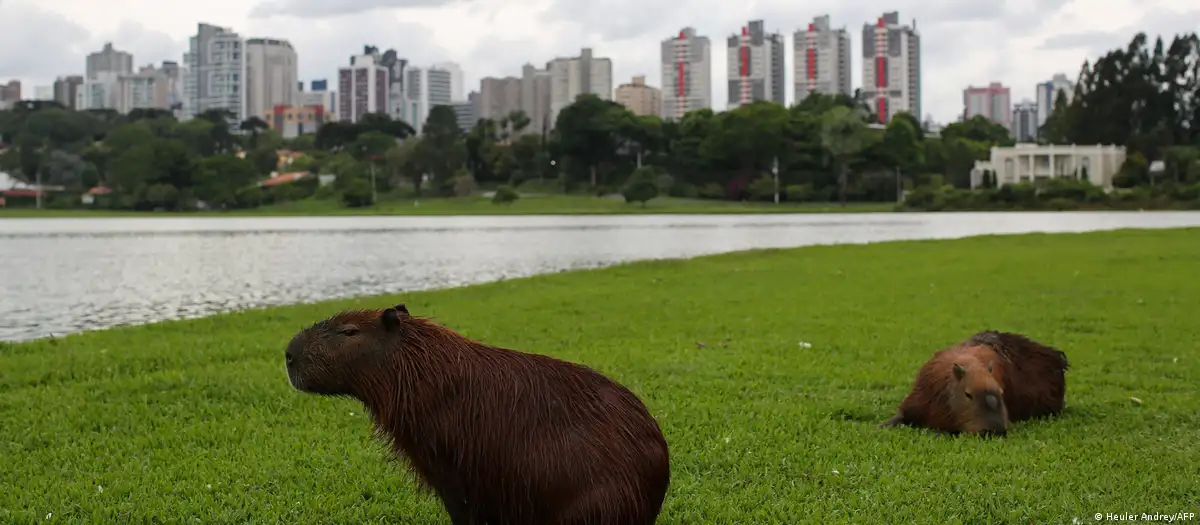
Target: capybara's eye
(348, 330)
(969, 396)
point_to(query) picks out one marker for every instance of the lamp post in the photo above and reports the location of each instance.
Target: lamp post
(374, 196)
(775, 173)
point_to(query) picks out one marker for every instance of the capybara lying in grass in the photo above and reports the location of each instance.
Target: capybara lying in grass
(984, 383)
(502, 437)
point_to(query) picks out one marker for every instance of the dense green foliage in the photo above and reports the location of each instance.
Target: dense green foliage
(767, 370)
(1143, 97)
(822, 149)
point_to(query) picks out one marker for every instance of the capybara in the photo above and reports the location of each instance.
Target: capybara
(501, 437)
(984, 383)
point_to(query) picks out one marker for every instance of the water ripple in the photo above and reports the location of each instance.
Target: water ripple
(60, 276)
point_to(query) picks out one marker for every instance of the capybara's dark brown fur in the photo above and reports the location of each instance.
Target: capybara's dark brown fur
(501, 437)
(985, 383)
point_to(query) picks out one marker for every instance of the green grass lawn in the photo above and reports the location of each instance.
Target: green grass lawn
(194, 421)
(529, 205)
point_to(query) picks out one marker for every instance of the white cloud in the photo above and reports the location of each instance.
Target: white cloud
(965, 42)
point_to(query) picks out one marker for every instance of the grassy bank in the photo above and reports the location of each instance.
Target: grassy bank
(529, 205)
(771, 420)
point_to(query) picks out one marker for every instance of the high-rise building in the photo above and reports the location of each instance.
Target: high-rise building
(45, 93)
(993, 102)
(821, 59)
(535, 98)
(755, 66)
(439, 84)
(574, 76)
(105, 68)
(395, 66)
(1047, 93)
(425, 88)
(362, 88)
(891, 67)
(499, 97)
(99, 91)
(110, 60)
(1024, 121)
(149, 88)
(214, 73)
(686, 74)
(10, 93)
(457, 89)
(172, 74)
(465, 112)
(640, 99)
(272, 72)
(319, 95)
(66, 89)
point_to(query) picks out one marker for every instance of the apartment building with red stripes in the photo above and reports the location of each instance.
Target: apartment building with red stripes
(686, 74)
(821, 60)
(891, 67)
(755, 66)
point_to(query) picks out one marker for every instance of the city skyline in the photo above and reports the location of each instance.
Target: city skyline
(500, 40)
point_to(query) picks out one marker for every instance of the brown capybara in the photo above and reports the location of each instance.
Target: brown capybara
(984, 383)
(501, 437)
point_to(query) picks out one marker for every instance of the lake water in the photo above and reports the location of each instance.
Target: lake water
(59, 276)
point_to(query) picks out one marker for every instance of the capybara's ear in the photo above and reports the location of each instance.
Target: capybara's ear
(401, 308)
(959, 371)
(390, 319)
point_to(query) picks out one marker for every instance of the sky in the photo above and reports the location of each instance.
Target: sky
(965, 42)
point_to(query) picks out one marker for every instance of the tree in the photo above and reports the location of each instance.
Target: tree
(441, 151)
(505, 195)
(640, 187)
(405, 161)
(978, 129)
(221, 177)
(844, 134)
(254, 126)
(518, 121)
(371, 145)
(747, 139)
(64, 169)
(587, 132)
(902, 144)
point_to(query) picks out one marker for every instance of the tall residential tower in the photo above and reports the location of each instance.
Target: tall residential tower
(574, 76)
(891, 67)
(215, 72)
(362, 88)
(686, 74)
(755, 65)
(993, 102)
(821, 60)
(272, 72)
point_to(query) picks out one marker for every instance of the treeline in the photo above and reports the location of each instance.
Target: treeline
(1144, 97)
(822, 149)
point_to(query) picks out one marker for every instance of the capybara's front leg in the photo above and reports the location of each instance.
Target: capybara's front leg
(897, 419)
(460, 511)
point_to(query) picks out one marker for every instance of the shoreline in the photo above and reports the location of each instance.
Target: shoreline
(767, 369)
(619, 264)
